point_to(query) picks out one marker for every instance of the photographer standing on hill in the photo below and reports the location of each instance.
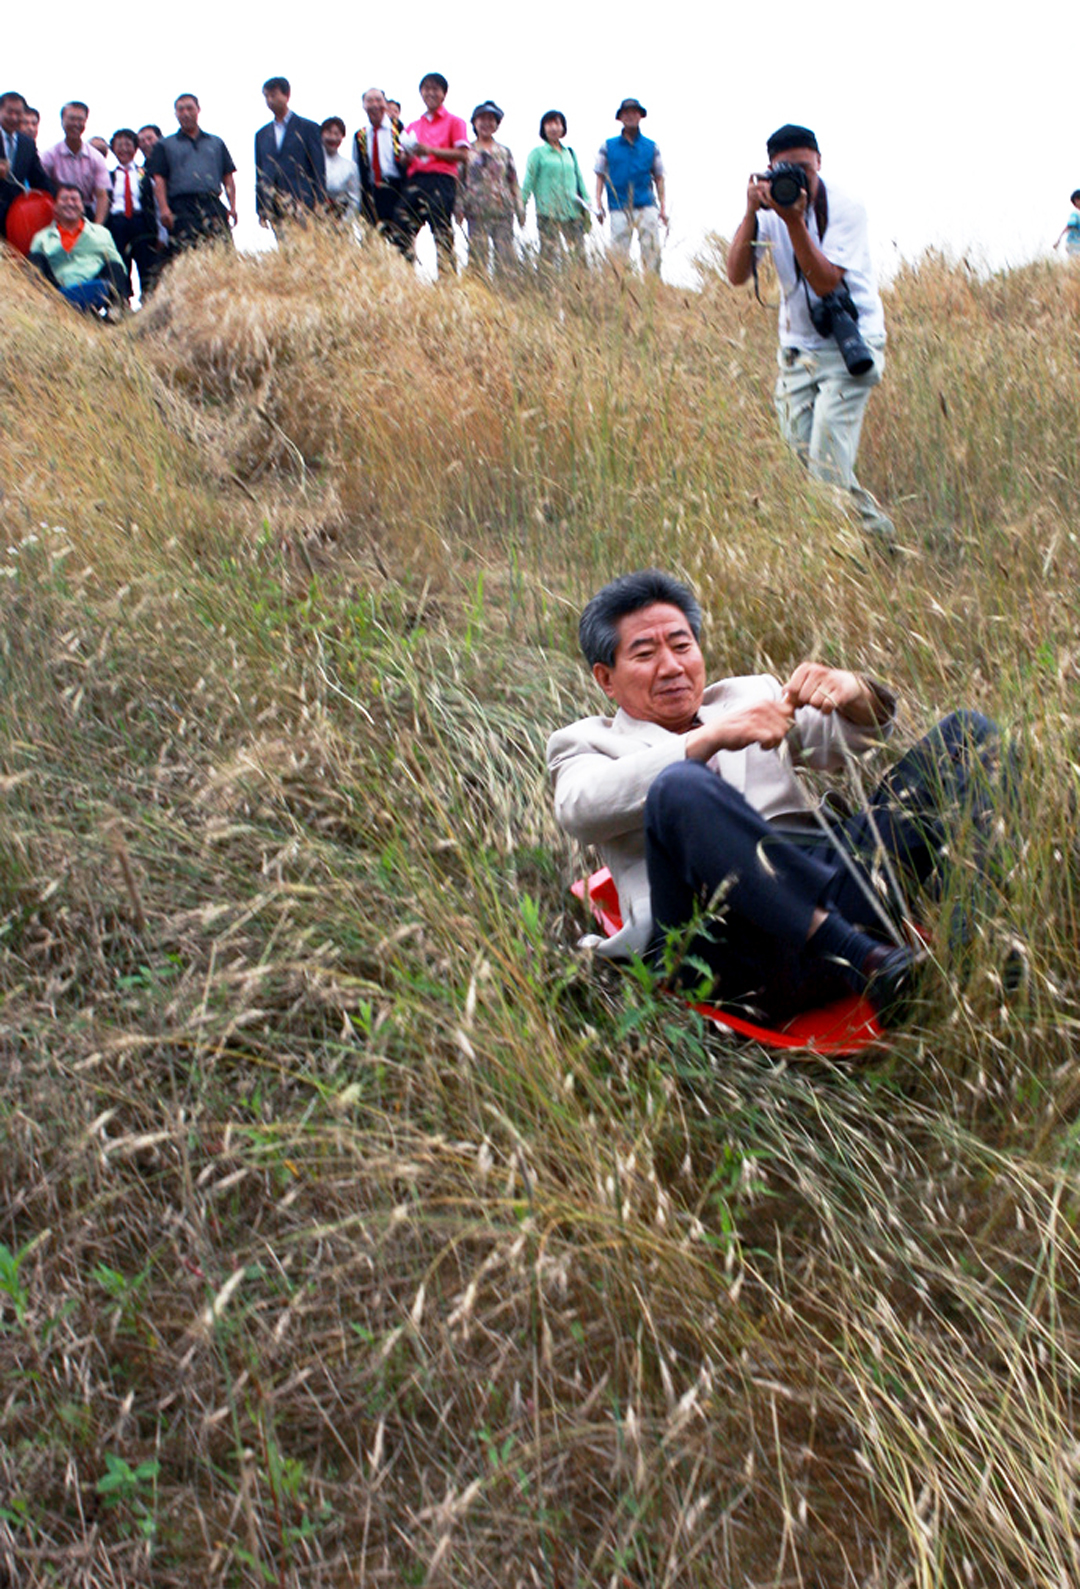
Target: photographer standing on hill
(832, 325)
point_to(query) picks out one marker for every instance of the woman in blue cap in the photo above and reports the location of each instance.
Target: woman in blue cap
(489, 195)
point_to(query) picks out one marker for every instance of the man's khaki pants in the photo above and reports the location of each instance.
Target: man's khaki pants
(821, 408)
(644, 221)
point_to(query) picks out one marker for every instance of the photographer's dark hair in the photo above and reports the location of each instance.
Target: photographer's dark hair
(548, 116)
(281, 84)
(598, 629)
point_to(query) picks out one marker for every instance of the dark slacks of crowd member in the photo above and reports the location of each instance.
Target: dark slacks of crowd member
(427, 199)
(135, 237)
(198, 218)
(379, 204)
(702, 837)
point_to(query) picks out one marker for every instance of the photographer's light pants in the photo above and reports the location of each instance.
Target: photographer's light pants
(820, 408)
(646, 223)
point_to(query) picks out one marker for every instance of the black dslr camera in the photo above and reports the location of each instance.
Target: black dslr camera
(835, 316)
(786, 181)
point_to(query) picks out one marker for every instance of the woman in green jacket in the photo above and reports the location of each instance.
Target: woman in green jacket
(553, 177)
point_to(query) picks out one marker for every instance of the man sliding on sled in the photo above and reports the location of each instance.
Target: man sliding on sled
(690, 793)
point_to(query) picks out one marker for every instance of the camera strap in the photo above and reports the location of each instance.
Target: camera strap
(754, 248)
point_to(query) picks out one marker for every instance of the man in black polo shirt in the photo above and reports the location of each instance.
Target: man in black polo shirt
(189, 170)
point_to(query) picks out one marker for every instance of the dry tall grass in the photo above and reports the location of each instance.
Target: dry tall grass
(352, 1229)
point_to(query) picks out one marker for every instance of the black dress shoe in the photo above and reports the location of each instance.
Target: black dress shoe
(892, 978)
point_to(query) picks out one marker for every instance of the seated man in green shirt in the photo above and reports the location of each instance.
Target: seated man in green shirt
(78, 257)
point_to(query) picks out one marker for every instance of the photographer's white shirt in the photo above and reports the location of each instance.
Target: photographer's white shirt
(846, 244)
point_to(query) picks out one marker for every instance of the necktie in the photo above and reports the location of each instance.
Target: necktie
(376, 167)
(129, 207)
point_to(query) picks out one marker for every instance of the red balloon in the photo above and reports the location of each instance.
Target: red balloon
(28, 214)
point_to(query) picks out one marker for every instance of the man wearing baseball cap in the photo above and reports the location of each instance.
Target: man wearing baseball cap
(630, 174)
(821, 253)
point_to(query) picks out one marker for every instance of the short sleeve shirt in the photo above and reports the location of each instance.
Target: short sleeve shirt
(191, 165)
(438, 131)
(846, 244)
(86, 170)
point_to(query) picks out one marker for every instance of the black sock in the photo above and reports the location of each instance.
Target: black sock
(844, 946)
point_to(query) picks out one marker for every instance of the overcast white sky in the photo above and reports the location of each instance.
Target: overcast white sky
(952, 124)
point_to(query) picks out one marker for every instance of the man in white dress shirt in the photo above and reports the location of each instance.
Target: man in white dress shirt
(378, 153)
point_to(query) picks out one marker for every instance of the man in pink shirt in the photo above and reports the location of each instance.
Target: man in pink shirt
(437, 144)
(73, 161)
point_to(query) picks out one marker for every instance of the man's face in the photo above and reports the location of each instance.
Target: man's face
(30, 122)
(658, 675)
(187, 114)
(147, 139)
(123, 149)
(375, 107)
(68, 206)
(11, 114)
(394, 107)
(631, 120)
(432, 93)
(809, 159)
(73, 121)
(277, 102)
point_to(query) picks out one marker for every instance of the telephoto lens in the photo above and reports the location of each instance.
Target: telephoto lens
(835, 315)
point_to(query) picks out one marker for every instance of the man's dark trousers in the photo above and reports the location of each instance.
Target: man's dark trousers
(136, 241)
(427, 198)
(704, 842)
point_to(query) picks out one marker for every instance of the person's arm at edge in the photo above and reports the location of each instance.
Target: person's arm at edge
(39, 177)
(317, 157)
(661, 192)
(528, 187)
(582, 185)
(165, 215)
(515, 190)
(40, 259)
(740, 254)
(228, 182)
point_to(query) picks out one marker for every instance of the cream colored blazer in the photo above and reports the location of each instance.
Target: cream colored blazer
(602, 768)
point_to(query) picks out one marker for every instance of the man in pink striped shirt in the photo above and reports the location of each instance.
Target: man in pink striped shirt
(437, 144)
(73, 161)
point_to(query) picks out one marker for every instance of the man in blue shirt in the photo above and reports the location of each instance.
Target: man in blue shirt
(630, 174)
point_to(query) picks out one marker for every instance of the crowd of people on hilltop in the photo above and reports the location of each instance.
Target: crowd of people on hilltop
(126, 207)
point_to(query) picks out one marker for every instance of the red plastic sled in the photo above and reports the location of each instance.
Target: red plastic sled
(846, 1026)
(28, 215)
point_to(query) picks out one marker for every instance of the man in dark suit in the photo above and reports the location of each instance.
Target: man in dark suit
(290, 162)
(20, 167)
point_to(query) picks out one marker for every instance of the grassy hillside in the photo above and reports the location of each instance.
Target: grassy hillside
(354, 1229)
